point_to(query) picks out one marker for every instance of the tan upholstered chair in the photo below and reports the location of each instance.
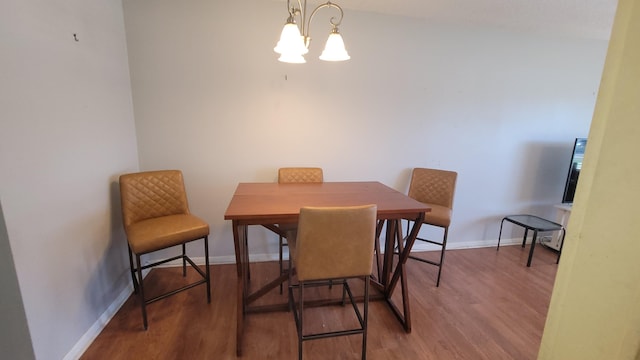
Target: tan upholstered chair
(289, 175)
(436, 189)
(156, 216)
(300, 175)
(332, 244)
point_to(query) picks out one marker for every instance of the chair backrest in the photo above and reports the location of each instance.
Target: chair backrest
(433, 186)
(335, 242)
(300, 175)
(152, 194)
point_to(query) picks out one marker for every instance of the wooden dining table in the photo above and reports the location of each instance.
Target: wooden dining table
(273, 204)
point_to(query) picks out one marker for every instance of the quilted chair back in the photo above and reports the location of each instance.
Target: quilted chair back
(335, 242)
(432, 186)
(300, 175)
(152, 194)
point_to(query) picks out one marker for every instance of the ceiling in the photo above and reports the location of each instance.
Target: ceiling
(576, 18)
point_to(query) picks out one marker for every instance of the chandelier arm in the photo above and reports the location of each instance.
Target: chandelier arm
(300, 10)
(303, 14)
(328, 4)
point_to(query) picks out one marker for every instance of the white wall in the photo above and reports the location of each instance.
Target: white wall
(500, 108)
(67, 132)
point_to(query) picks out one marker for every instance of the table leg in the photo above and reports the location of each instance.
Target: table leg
(403, 280)
(399, 269)
(379, 226)
(524, 238)
(242, 263)
(533, 245)
(391, 276)
(389, 247)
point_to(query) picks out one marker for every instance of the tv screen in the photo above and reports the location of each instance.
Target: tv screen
(574, 170)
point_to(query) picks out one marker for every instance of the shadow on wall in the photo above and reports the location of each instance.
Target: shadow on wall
(111, 274)
(542, 176)
(15, 340)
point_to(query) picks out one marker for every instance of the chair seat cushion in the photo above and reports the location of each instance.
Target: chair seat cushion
(438, 216)
(166, 231)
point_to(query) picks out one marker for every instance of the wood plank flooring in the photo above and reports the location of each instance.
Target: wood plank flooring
(489, 306)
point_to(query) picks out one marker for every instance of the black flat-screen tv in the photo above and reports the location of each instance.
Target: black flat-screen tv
(574, 170)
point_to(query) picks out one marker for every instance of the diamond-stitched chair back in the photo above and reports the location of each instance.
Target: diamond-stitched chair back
(433, 186)
(152, 194)
(300, 175)
(334, 242)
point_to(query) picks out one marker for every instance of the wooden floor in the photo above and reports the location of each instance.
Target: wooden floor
(489, 306)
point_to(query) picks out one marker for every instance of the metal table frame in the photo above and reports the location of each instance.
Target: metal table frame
(536, 224)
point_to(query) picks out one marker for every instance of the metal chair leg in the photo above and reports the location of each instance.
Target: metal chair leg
(301, 301)
(184, 261)
(207, 270)
(344, 291)
(444, 247)
(500, 234)
(142, 299)
(133, 271)
(366, 316)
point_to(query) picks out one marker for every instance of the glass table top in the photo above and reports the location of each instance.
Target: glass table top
(533, 222)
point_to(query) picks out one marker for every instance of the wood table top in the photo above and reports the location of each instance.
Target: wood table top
(269, 203)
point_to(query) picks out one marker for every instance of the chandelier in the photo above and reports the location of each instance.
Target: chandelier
(294, 41)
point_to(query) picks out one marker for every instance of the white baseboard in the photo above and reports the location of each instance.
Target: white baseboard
(422, 246)
(85, 341)
(419, 246)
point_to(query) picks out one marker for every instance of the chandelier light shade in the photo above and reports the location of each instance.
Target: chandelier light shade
(334, 49)
(294, 40)
(291, 41)
(292, 58)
